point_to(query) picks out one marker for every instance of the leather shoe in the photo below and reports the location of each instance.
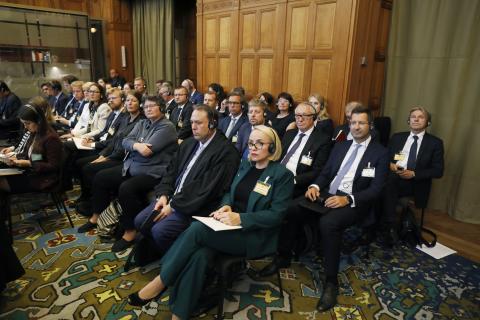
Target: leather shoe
(87, 227)
(135, 300)
(329, 297)
(121, 245)
(272, 268)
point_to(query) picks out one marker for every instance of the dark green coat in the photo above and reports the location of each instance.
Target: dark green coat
(261, 223)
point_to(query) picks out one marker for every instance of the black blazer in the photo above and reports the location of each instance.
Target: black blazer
(102, 144)
(185, 131)
(208, 179)
(429, 163)
(9, 107)
(365, 190)
(59, 104)
(225, 122)
(318, 146)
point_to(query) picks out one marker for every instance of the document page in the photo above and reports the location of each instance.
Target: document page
(215, 224)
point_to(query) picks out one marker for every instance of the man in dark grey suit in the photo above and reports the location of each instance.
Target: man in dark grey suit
(231, 124)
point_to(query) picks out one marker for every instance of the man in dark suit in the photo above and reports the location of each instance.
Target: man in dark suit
(180, 115)
(196, 180)
(342, 132)
(349, 183)
(116, 80)
(231, 124)
(9, 106)
(416, 158)
(166, 92)
(59, 100)
(257, 112)
(194, 96)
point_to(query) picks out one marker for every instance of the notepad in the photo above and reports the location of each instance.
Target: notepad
(439, 251)
(10, 172)
(215, 224)
(78, 144)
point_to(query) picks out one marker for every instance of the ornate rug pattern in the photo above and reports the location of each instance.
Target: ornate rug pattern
(74, 276)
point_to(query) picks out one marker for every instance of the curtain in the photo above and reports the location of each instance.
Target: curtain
(153, 41)
(434, 61)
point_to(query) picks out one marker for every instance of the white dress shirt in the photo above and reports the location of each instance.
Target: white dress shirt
(295, 158)
(406, 148)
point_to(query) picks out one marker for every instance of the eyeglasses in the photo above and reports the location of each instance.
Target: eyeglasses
(93, 91)
(233, 102)
(149, 106)
(303, 116)
(256, 145)
(360, 123)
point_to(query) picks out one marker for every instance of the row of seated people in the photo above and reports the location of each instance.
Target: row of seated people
(193, 178)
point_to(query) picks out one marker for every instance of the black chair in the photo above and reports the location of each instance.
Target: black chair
(383, 125)
(224, 265)
(408, 203)
(56, 193)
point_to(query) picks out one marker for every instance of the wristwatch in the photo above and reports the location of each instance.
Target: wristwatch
(349, 199)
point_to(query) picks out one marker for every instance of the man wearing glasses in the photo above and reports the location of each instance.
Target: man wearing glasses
(231, 124)
(182, 113)
(257, 112)
(342, 194)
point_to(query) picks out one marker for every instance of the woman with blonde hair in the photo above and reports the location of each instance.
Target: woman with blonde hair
(323, 122)
(257, 202)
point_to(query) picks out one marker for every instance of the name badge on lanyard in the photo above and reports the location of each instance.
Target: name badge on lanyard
(235, 138)
(262, 187)
(306, 159)
(368, 172)
(111, 131)
(399, 156)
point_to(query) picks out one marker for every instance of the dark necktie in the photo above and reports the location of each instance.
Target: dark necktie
(293, 149)
(412, 155)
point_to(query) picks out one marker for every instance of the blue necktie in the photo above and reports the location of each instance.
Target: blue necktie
(292, 149)
(412, 155)
(343, 171)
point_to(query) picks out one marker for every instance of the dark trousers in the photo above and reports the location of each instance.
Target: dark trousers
(165, 231)
(131, 193)
(292, 226)
(185, 264)
(331, 226)
(395, 188)
(72, 154)
(89, 170)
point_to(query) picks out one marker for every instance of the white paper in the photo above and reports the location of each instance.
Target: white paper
(438, 252)
(215, 224)
(78, 144)
(10, 172)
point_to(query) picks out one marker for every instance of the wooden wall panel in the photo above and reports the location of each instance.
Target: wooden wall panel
(298, 21)
(117, 15)
(210, 69)
(265, 75)
(224, 36)
(210, 35)
(320, 76)
(324, 24)
(299, 46)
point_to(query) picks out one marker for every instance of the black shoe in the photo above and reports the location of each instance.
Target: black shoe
(121, 245)
(87, 227)
(272, 268)
(328, 299)
(135, 300)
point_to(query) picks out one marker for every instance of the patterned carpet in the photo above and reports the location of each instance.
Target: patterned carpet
(74, 276)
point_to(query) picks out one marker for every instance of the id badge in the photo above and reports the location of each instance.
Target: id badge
(167, 116)
(368, 172)
(262, 188)
(306, 160)
(180, 124)
(104, 137)
(37, 157)
(399, 156)
(111, 131)
(234, 139)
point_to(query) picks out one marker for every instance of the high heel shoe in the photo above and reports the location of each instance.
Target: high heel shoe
(135, 300)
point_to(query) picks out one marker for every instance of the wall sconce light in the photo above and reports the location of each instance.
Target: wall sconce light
(93, 29)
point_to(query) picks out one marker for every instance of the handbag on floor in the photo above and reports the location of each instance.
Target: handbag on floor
(108, 222)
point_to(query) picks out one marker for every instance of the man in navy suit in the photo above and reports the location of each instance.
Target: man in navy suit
(181, 113)
(416, 158)
(231, 124)
(349, 183)
(59, 100)
(194, 97)
(257, 112)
